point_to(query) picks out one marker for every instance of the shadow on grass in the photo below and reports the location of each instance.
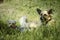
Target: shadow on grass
(1, 1)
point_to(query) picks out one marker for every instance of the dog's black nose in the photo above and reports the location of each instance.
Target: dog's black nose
(45, 15)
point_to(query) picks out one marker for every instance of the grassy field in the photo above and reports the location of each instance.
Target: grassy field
(14, 9)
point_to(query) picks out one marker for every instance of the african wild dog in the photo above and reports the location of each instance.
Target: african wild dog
(24, 24)
(12, 24)
(45, 16)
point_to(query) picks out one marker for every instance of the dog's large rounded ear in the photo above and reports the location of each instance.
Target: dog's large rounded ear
(50, 11)
(38, 10)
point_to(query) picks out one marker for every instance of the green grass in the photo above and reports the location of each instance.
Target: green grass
(14, 9)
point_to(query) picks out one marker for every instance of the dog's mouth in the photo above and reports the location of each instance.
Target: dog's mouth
(45, 19)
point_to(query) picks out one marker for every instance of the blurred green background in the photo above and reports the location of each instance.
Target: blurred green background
(14, 9)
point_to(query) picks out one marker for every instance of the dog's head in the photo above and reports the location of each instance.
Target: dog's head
(45, 15)
(12, 23)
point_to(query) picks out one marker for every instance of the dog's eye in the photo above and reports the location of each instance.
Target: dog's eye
(40, 14)
(9, 23)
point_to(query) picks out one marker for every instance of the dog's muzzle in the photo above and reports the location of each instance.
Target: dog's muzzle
(44, 19)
